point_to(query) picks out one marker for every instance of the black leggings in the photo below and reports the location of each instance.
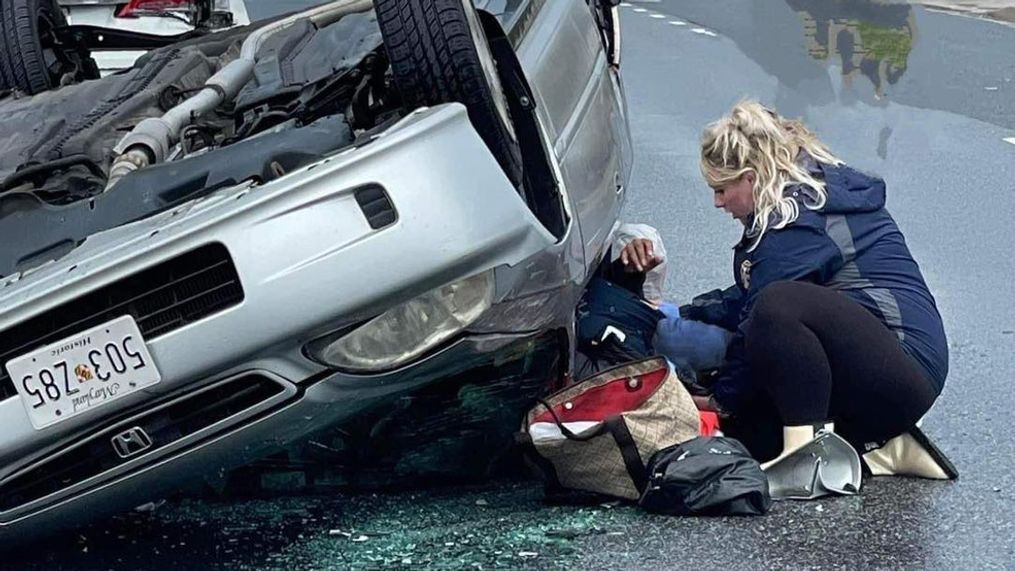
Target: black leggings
(821, 356)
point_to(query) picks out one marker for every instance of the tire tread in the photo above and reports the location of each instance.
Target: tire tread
(434, 60)
(21, 61)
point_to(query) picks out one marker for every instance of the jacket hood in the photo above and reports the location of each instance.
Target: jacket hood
(850, 190)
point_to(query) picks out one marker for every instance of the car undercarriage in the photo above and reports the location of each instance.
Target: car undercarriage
(305, 104)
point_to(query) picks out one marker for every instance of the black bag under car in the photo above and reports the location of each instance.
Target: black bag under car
(706, 476)
(614, 326)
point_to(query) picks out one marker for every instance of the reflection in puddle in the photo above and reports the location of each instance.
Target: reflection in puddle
(1003, 10)
(869, 38)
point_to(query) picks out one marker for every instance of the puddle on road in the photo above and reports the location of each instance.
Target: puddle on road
(1003, 10)
(881, 52)
(831, 58)
(866, 39)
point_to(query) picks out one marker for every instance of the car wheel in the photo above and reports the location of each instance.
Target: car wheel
(439, 54)
(32, 58)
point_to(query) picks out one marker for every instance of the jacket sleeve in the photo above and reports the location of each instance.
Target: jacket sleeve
(717, 307)
(795, 253)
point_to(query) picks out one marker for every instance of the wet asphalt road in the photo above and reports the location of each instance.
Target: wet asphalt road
(924, 99)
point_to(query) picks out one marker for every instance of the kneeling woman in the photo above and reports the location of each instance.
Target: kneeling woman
(834, 321)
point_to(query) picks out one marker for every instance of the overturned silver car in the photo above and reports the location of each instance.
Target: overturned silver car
(254, 235)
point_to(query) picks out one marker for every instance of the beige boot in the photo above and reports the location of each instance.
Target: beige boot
(910, 454)
(795, 438)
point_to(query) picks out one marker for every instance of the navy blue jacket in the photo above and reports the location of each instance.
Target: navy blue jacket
(852, 245)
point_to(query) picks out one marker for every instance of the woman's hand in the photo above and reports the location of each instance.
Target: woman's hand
(638, 256)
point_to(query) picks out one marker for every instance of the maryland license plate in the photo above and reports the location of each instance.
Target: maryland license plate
(83, 372)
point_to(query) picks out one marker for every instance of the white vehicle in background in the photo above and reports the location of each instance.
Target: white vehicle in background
(47, 44)
(155, 17)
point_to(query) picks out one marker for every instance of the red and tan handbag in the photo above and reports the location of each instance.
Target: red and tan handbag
(598, 434)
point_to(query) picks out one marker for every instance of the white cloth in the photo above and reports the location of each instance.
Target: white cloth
(624, 234)
(549, 431)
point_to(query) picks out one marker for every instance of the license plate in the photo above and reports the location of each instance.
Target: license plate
(83, 372)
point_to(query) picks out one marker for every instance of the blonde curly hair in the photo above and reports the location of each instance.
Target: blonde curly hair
(753, 138)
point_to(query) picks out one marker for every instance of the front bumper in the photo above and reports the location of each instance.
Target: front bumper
(310, 263)
(306, 256)
(525, 365)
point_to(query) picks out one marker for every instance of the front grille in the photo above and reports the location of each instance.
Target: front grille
(163, 427)
(162, 298)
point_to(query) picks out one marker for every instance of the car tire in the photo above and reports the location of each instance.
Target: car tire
(31, 59)
(439, 54)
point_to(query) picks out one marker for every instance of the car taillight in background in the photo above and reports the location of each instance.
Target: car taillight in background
(136, 8)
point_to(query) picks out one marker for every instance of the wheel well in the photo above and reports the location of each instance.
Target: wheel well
(539, 185)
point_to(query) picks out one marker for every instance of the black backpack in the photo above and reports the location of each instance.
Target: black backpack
(706, 476)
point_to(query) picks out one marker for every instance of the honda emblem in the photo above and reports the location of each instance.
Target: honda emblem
(131, 442)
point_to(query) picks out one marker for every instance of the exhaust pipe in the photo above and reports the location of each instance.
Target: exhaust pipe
(152, 139)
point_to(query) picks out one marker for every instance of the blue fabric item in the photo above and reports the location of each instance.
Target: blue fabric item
(852, 245)
(697, 345)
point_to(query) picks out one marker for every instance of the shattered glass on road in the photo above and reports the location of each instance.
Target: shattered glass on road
(505, 526)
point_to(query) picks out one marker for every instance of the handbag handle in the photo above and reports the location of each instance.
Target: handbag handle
(621, 435)
(567, 431)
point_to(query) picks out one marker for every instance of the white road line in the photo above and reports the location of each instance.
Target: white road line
(702, 31)
(1009, 140)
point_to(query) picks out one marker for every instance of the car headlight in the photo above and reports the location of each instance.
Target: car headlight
(407, 331)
